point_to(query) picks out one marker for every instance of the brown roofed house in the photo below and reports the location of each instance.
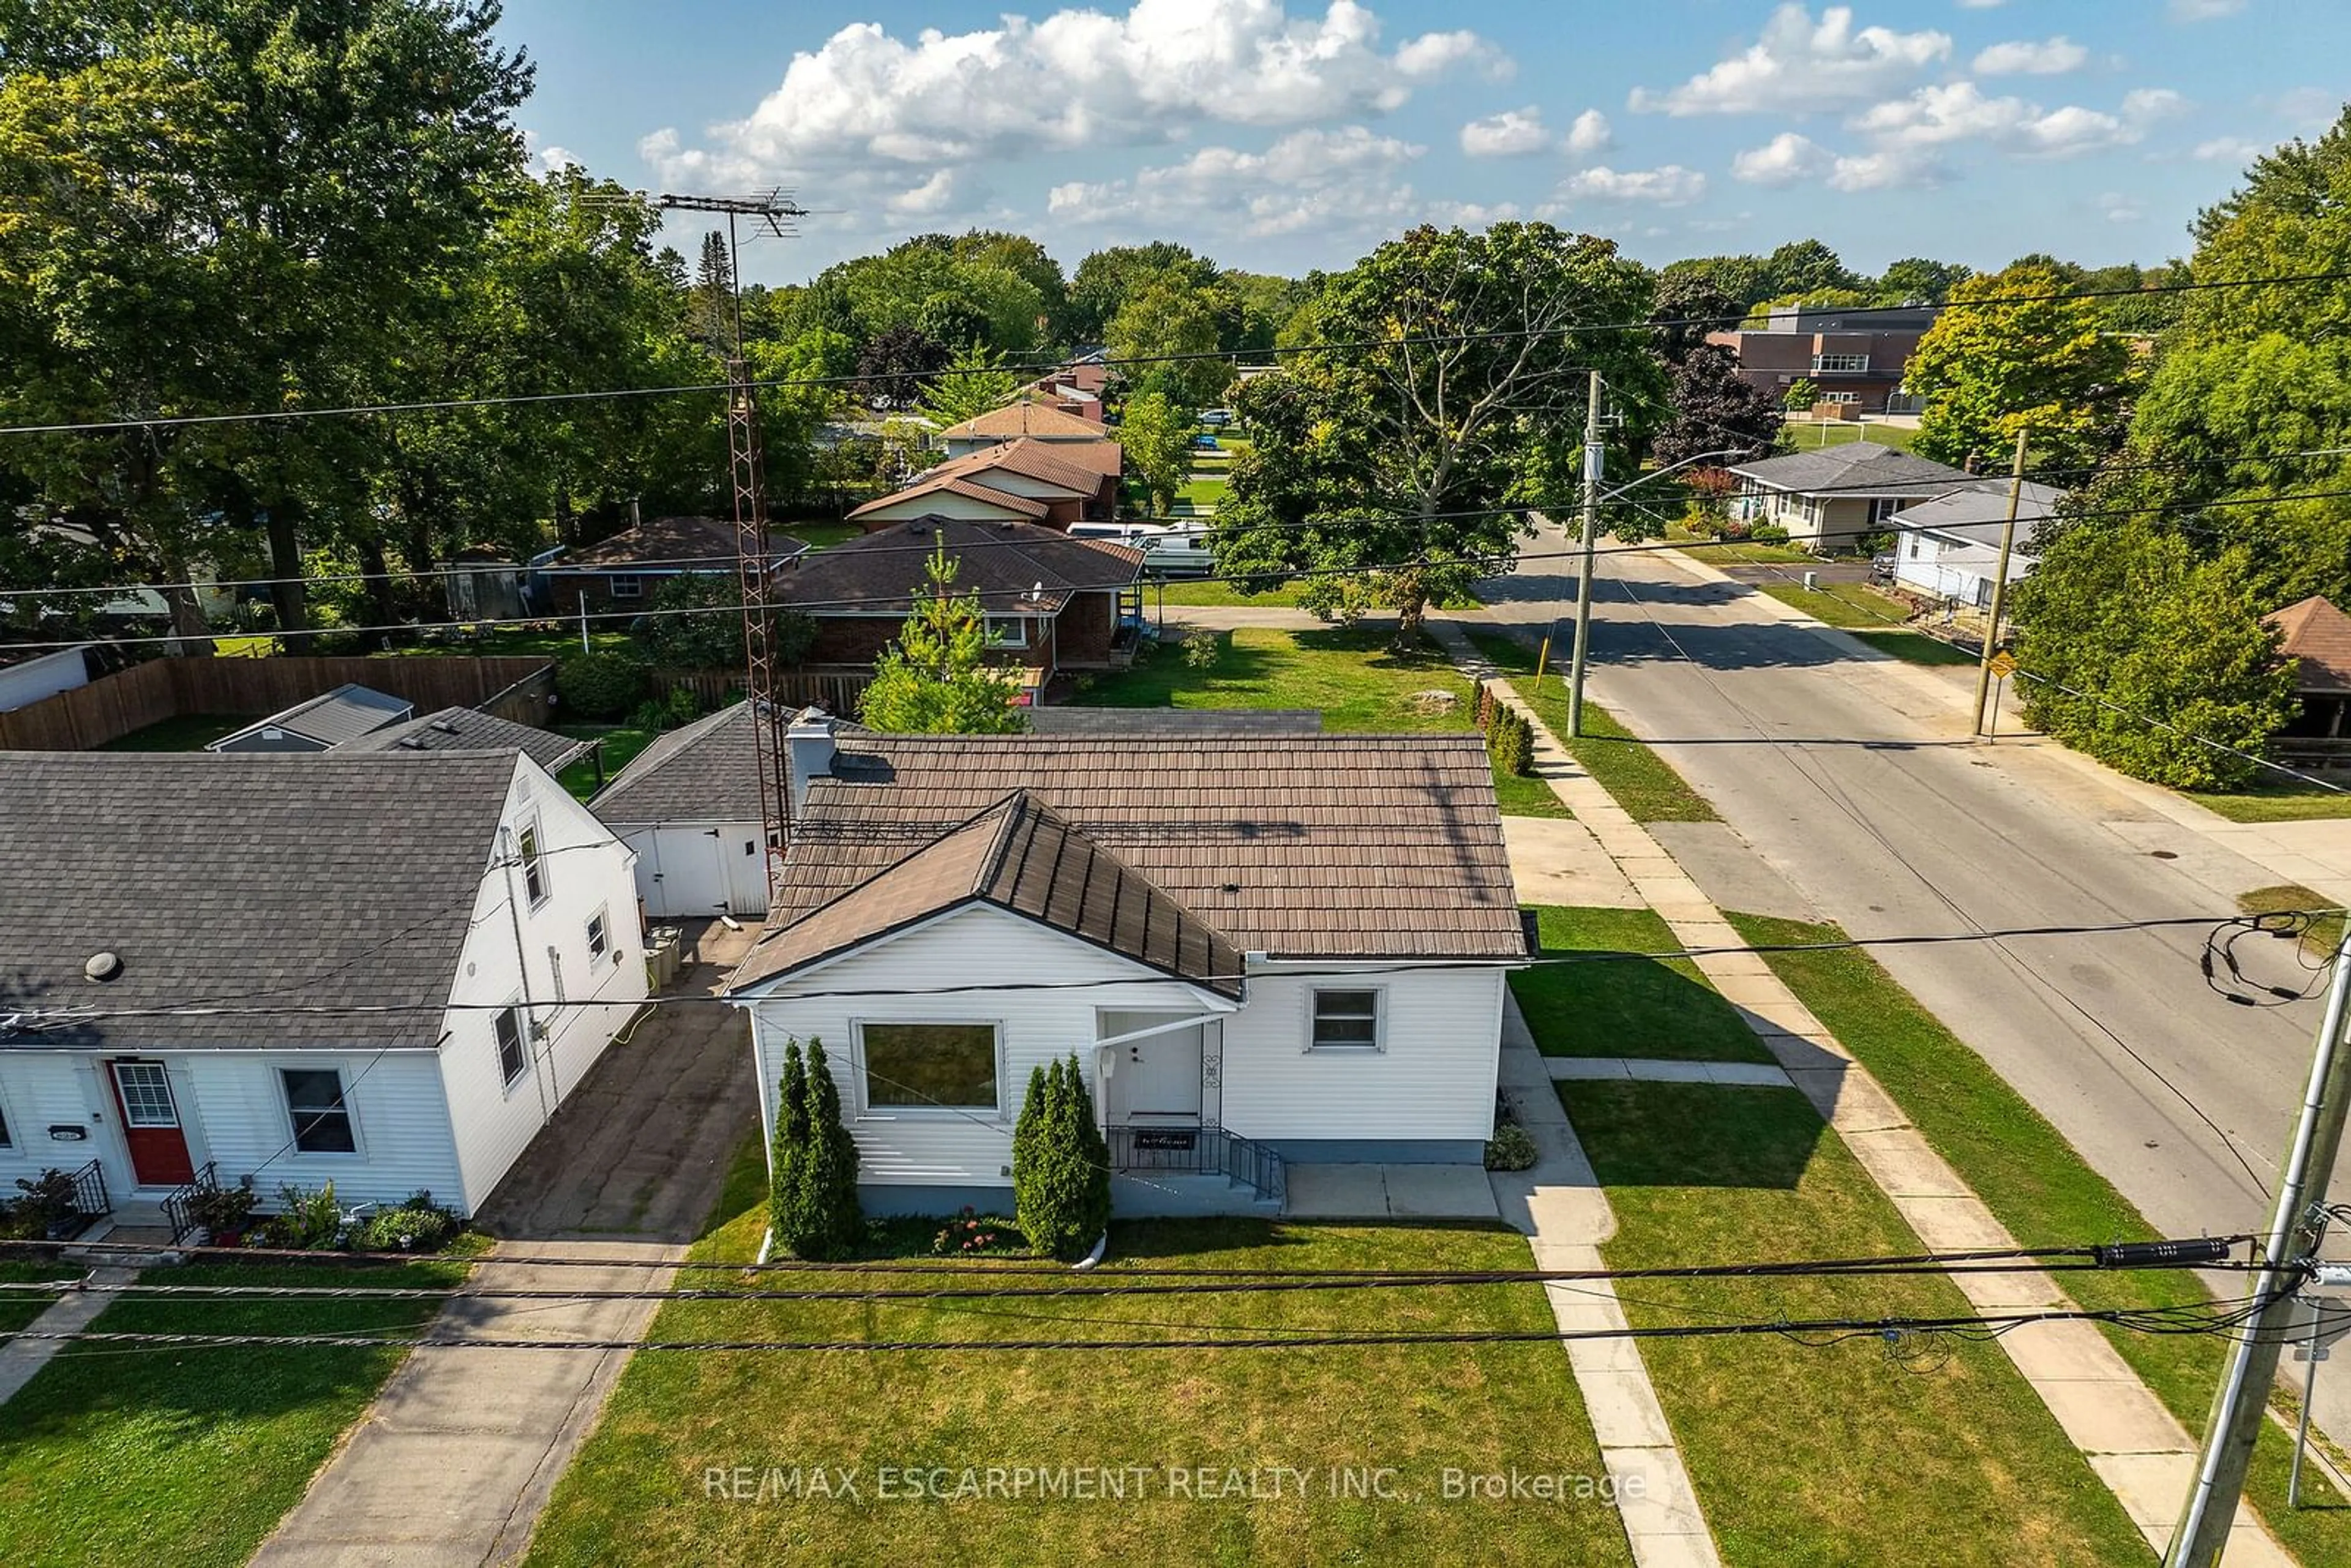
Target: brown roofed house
(620, 574)
(2316, 636)
(1053, 482)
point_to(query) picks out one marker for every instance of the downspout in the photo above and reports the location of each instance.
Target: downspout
(507, 855)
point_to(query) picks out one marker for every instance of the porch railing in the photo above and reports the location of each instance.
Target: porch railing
(91, 1202)
(1202, 1151)
(179, 1207)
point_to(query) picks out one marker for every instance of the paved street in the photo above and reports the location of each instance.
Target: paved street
(1852, 776)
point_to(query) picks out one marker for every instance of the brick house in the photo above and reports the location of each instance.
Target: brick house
(1856, 357)
(1052, 485)
(619, 575)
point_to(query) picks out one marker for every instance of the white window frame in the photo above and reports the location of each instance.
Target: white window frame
(294, 1149)
(1379, 1044)
(596, 930)
(1835, 362)
(1007, 630)
(1002, 1110)
(533, 856)
(625, 585)
(513, 1009)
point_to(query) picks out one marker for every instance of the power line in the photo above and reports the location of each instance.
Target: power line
(1234, 356)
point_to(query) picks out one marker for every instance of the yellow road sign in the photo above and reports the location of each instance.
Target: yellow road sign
(2003, 663)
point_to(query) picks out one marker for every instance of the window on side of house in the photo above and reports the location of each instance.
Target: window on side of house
(1008, 631)
(315, 1103)
(534, 865)
(1840, 361)
(1347, 1021)
(509, 1028)
(930, 1066)
(600, 936)
(626, 587)
(7, 1140)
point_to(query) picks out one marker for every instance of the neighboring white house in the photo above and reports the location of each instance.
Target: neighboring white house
(1261, 946)
(320, 722)
(475, 920)
(688, 805)
(34, 679)
(1828, 497)
(1949, 547)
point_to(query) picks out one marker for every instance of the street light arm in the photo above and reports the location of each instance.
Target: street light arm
(1661, 472)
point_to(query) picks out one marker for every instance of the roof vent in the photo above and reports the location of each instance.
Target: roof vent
(410, 743)
(445, 726)
(102, 967)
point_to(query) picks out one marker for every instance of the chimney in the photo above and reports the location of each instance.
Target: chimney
(809, 743)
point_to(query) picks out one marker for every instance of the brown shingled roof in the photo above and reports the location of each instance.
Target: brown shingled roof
(1023, 418)
(1035, 459)
(1018, 856)
(1302, 846)
(675, 544)
(2317, 634)
(1013, 567)
(1023, 505)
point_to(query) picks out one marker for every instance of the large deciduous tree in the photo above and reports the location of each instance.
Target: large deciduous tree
(1156, 433)
(1453, 390)
(1170, 317)
(2014, 353)
(970, 385)
(1714, 411)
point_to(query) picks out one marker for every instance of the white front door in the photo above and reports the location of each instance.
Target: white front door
(1156, 1080)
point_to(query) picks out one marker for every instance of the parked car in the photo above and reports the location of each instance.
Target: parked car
(1177, 551)
(1217, 416)
(1205, 442)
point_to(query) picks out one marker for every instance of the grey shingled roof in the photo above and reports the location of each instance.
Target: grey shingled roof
(705, 771)
(1296, 845)
(471, 729)
(1979, 511)
(244, 879)
(1862, 468)
(1020, 856)
(348, 711)
(662, 545)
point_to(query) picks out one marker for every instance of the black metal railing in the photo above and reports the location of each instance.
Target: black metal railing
(179, 1207)
(1201, 1151)
(91, 1202)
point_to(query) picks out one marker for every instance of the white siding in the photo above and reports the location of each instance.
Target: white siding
(41, 1089)
(587, 869)
(43, 677)
(976, 947)
(684, 873)
(1433, 1078)
(946, 504)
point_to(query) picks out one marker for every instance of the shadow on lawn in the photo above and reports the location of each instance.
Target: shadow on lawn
(1694, 1134)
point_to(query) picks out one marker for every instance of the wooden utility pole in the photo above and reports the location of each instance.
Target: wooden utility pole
(1593, 454)
(2000, 581)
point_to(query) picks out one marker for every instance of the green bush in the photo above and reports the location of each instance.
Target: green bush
(310, 1221)
(600, 685)
(1509, 1149)
(418, 1225)
(971, 1233)
(1768, 533)
(1061, 1163)
(1511, 743)
(46, 1200)
(813, 1190)
(1202, 649)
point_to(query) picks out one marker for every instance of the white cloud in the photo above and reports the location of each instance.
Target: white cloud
(1513, 133)
(2051, 56)
(1959, 111)
(2204, 10)
(2145, 105)
(544, 157)
(2120, 208)
(1309, 180)
(936, 194)
(1981, 5)
(2230, 150)
(1670, 186)
(1800, 66)
(1591, 133)
(1074, 78)
(1787, 159)
(1889, 169)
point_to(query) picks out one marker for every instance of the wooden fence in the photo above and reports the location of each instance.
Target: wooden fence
(113, 707)
(836, 691)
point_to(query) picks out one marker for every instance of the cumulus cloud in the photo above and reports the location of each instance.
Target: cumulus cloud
(1345, 178)
(544, 157)
(2230, 150)
(1591, 133)
(1789, 159)
(1513, 133)
(2049, 57)
(2205, 10)
(2120, 208)
(1074, 78)
(1960, 111)
(1669, 185)
(1800, 66)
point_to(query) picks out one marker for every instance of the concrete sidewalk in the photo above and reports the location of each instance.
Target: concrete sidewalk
(2129, 1439)
(1558, 1204)
(69, 1313)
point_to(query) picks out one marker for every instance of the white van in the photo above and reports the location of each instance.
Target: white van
(1179, 550)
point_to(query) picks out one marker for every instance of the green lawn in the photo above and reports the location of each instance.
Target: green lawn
(1648, 1008)
(822, 535)
(187, 732)
(1203, 493)
(636, 1491)
(1641, 781)
(1803, 436)
(1806, 1452)
(2041, 1190)
(1844, 605)
(2326, 932)
(2276, 803)
(1528, 796)
(1222, 594)
(19, 1308)
(190, 1455)
(551, 638)
(622, 744)
(1916, 647)
(1720, 552)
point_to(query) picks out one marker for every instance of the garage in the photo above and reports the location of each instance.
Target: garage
(689, 805)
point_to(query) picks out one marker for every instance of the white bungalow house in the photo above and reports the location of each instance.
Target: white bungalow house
(1262, 948)
(1948, 548)
(383, 970)
(1829, 498)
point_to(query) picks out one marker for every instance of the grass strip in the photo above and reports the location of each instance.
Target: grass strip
(1658, 1009)
(1640, 780)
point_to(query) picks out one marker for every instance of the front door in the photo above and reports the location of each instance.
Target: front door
(1157, 1083)
(151, 1125)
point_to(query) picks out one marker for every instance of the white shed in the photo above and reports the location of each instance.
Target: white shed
(689, 806)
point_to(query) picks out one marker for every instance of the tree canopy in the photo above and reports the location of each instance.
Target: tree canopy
(2018, 359)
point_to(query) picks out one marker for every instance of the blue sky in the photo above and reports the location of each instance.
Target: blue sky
(1282, 136)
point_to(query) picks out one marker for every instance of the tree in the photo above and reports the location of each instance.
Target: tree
(1915, 280)
(695, 622)
(934, 679)
(714, 295)
(789, 1151)
(1397, 463)
(1105, 280)
(2139, 652)
(1688, 305)
(1714, 411)
(1806, 266)
(1802, 393)
(972, 383)
(898, 366)
(812, 1171)
(1155, 433)
(1061, 1163)
(2041, 365)
(1171, 316)
(1744, 278)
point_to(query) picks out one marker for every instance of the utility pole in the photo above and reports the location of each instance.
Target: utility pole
(752, 554)
(2000, 581)
(2238, 1407)
(1592, 456)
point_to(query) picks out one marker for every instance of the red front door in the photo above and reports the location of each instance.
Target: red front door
(151, 1125)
